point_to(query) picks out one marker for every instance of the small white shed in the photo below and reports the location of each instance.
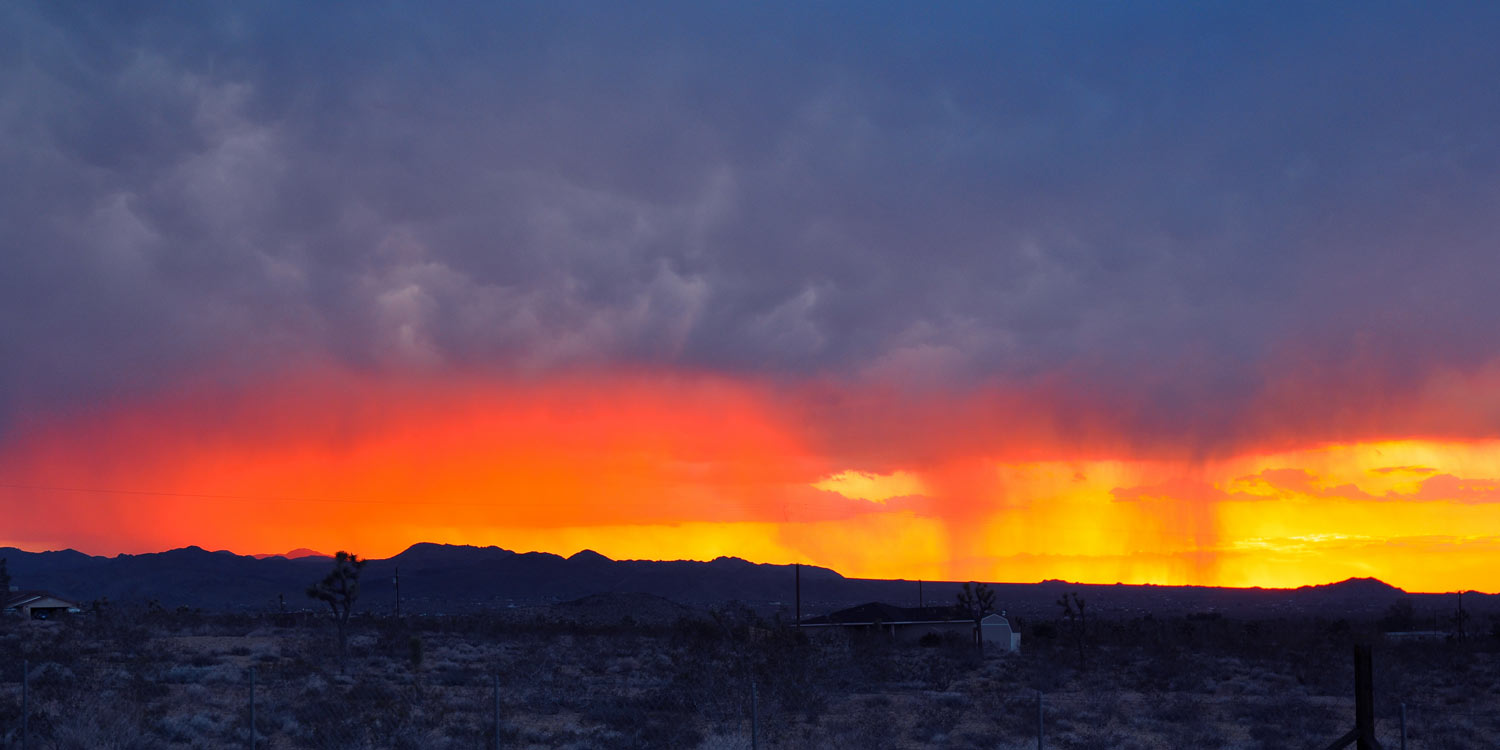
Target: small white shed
(998, 635)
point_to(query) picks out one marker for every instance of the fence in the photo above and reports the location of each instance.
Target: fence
(217, 707)
(350, 713)
(630, 691)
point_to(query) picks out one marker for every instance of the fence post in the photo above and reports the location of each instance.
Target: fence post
(754, 717)
(1039, 730)
(1364, 698)
(497, 711)
(25, 698)
(1403, 726)
(1362, 736)
(252, 708)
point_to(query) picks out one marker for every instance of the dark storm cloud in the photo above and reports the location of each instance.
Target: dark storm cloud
(1166, 205)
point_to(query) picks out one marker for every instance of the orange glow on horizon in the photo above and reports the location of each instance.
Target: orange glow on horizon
(697, 467)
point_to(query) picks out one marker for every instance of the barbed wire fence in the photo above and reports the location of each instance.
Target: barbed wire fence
(351, 713)
(354, 712)
(273, 701)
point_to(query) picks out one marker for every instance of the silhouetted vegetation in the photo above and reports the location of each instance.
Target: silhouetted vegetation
(340, 590)
(976, 600)
(1075, 612)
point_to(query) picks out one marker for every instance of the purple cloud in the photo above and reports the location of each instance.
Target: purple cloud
(1167, 208)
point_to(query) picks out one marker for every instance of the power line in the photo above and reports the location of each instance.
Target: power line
(247, 498)
(769, 503)
(780, 503)
(775, 503)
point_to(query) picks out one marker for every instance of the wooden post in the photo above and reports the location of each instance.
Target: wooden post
(754, 717)
(1362, 736)
(25, 698)
(252, 708)
(1403, 726)
(1039, 725)
(799, 593)
(1364, 698)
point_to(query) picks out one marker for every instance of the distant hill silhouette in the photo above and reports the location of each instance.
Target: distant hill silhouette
(444, 578)
(295, 554)
(612, 608)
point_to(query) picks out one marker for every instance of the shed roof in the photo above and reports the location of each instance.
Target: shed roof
(889, 614)
(23, 598)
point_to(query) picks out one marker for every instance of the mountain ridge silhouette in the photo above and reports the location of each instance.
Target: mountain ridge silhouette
(448, 578)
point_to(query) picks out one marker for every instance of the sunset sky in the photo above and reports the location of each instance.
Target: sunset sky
(1173, 293)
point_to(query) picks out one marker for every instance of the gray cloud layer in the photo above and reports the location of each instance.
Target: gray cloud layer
(1165, 204)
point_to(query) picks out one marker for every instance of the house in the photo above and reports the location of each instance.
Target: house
(912, 624)
(901, 623)
(39, 605)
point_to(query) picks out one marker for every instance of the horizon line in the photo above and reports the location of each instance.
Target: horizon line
(321, 555)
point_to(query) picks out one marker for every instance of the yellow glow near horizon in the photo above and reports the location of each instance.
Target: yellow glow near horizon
(700, 469)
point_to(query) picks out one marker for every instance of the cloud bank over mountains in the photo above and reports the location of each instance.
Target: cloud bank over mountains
(1052, 290)
(1182, 211)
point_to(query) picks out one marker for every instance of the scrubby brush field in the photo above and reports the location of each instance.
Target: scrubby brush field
(582, 678)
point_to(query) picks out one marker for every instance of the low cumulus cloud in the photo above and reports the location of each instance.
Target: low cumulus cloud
(1291, 483)
(1163, 209)
(1447, 487)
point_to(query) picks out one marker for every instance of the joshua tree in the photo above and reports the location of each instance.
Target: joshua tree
(977, 600)
(1073, 609)
(4, 580)
(340, 589)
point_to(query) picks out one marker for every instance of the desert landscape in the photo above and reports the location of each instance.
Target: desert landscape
(638, 671)
(682, 375)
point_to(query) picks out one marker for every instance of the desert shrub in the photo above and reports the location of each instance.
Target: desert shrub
(940, 667)
(1012, 711)
(935, 717)
(197, 729)
(867, 728)
(98, 723)
(788, 669)
(1177, 709)
(10, 717)
(183, 674)
(638, 723)
(1284, 720)
(366, 713)
(414, 651)
(141, 689)
(453, 674)
(1163, 670)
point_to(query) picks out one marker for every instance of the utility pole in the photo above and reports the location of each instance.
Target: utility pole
(1461, 633)
(920, 601)
(397, 580)
(798, 566)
